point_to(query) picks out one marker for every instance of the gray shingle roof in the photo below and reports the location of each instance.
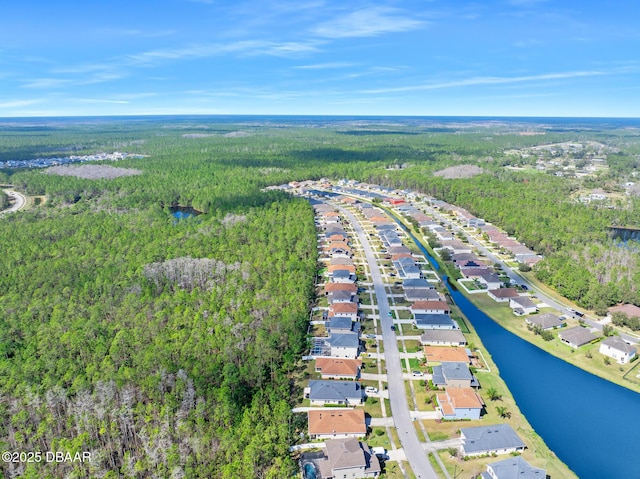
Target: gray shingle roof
(426, 320)
(618, 343)
(516, 467)
(478, 440)
(344, 340)
(577, 336)
(442, 335)
(334, 390)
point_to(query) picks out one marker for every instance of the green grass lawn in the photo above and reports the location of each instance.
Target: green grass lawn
(580, 357)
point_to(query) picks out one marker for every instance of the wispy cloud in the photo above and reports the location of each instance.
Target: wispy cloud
(135, 32)
(246, 47)
(368, 23)
(525, 3)
(100, 100)
(46, 83)
(489, 81)
(19, 103)
(325, 66)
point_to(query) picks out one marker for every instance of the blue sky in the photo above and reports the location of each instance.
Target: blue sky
(353, 57)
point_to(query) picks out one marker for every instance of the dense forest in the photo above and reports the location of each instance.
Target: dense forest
(168, 348)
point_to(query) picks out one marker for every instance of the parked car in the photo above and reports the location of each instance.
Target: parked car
(371, 336)
(416, 374)
(393, 327)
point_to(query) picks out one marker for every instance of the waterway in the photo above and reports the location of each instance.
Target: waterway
(592, 425)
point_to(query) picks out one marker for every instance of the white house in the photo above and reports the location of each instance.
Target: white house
(615, 347)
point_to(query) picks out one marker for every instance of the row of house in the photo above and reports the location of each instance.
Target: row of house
(337, 362)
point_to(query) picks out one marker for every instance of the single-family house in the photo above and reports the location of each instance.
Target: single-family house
(464, 258)
(336, 423)
(348, 458)
(407, 268)
(417, 283)
(512, 468)
(435, 354)
(344, 345)
(338, 368)
(545, 321)
(342, 324)
(334, 267)
(576, 337)
(422, 295)
(399, 250)
(490, 281)
(629, 310)
(348, 310)
(494, 439)
(434, 321)
(443, 337)
(475, 272)
(343, 276)
(502, 295)
(321, 392)
(430, 307)
(617, 348)
(457, 247)
(332, 287)
(341, 296)
(460, 403)
(522, 305)
(454, 375)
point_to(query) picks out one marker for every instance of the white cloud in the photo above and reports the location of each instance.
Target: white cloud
(368, 23)
(100, 100)
(323, 66)
(19, 103)
(489, 81)
(246, 47)
(46, 83)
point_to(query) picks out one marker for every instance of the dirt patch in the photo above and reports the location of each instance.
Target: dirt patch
(92, 172)
(460, 171)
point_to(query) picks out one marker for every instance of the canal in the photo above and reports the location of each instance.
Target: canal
(592, 425)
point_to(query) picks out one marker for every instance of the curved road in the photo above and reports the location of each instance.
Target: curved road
(413, 449)
(19, 200)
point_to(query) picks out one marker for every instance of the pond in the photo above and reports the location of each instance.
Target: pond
(183, 212)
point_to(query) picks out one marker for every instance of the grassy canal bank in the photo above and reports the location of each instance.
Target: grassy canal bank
(502, 408)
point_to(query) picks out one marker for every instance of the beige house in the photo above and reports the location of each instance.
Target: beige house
(348, 458)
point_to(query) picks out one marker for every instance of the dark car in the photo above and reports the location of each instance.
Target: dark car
(393, 327)
(525, 287)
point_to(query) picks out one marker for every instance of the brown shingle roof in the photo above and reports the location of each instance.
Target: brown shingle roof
(344, 308)
(349, 267)
(440, 305)
(338, 366)
(329, 287)
(504, 293)
(437, 354)
(628, 309)
(341, 421)
(459, 398)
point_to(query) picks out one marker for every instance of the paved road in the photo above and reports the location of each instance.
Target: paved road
(19, 201)
(413, 449)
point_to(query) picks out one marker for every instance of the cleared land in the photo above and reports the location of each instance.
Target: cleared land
(92, 172)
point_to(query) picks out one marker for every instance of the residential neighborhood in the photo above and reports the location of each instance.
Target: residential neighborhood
(348, 399)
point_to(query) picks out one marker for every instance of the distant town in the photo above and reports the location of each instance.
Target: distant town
(47, 162)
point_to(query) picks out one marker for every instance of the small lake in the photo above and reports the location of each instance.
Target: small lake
(183, 212)
(592, 425)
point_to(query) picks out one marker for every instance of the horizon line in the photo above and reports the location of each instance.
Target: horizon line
(310, 115)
